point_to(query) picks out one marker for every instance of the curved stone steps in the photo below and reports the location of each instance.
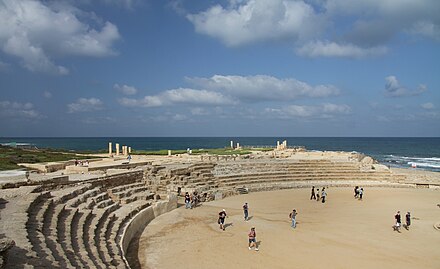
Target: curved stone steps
(34, 227)
(80, 244)
(100, 244)
(288, 179)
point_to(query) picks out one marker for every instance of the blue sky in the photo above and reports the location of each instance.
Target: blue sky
(220, 68)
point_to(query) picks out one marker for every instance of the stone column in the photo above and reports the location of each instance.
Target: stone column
(232, 144)
(117, 149)
(129, 150)
(169, 152)
(110, 149)
(238, 145)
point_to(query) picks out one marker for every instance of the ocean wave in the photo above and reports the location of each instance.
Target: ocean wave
(407, 161)
(414, 164)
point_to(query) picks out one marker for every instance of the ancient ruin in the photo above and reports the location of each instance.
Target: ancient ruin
(86, 217)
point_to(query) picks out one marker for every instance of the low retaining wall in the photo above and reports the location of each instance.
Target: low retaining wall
(138, 223)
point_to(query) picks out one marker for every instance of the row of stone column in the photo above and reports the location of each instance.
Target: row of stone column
(126, 150)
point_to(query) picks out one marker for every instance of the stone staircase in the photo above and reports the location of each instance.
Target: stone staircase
(81, 226)
(248, 173)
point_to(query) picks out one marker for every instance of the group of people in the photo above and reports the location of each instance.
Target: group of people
(252, 235)
(315, 195)
(81, 163)
(358, 192)
(398, 220)
(191, 201)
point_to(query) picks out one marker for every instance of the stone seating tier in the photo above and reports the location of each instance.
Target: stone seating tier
(68, 228)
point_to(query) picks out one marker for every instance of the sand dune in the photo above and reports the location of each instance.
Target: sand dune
(342, 233)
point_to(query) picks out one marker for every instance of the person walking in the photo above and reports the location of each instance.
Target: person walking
(317, 194)
(221, 219)
(398, 222)
(187, 200)
(246, 211)
(408, 220)
(292, 216)
(313, 196)
(356, 191)
(253, 239)
(361, 193)
(323, 195)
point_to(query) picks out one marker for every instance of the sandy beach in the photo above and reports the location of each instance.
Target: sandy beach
(342, 233)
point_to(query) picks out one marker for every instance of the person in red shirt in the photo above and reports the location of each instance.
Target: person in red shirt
(253, 239)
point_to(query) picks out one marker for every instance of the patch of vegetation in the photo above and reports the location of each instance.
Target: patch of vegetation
(11, 157)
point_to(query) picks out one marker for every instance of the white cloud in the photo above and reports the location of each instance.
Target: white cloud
(85, 105)
(427, 106)
(426, 28)
(38, 32)
(360, 28)
(179, 96)
(320, 111)
(247, 21)
(47, 94)
(332, 49)
(263, 88)
(394, 89)
(18, 110)
(125, 89)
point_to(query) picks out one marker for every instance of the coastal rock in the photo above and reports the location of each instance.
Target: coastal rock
(367, 160)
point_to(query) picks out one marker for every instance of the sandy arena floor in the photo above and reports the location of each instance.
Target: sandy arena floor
(342, 233)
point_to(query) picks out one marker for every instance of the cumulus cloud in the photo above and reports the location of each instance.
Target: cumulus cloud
(332, 49)
(263, 87)
(247, 21)
(125, 89)
(179, 96)
(18, 110)
(85, 105)
(316, 28)
(427, 106)
(327, 110)
(394, 89)
(38, 32)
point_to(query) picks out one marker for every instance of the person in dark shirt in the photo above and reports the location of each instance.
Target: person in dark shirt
(246, 211)
(187, 200)
(408, 220)
(356, 191)
(221, 219)
(398, 222)
(313, 196)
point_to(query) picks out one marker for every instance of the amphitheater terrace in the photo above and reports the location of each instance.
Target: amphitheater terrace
(69, 216)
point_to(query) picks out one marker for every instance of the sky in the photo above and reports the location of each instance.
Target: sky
(220, 68)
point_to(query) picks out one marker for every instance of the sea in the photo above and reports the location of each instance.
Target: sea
(405, 152)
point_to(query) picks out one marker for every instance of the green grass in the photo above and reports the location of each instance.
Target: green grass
(218, 151)
(11, 157)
